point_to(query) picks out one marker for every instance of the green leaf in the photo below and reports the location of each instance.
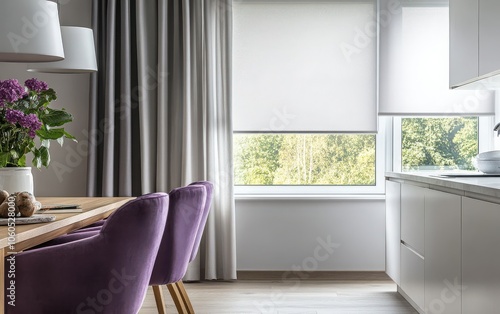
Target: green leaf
(14, 155)
(46, 143)
(50, 94)
(71, 137)
(44, 156)
(22, 161)
(37, 160)
(52, 134)
(4, 159)
(55, 117)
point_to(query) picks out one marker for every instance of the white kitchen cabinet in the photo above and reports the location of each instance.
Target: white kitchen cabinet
(489, 36)
(474, 39)
(480, 256)
(412, 242)
(412, 275)
(442, 252)
(464, 39)
(412, 217)
(393, 230)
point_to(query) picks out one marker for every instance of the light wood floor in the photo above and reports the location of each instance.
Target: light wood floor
(304, 297)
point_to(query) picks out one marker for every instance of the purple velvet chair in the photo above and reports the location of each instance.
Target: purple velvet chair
(174, 255)
(208, 203)
(107, 271)
(162, 266)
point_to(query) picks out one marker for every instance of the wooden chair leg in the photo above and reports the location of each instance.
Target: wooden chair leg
(176, 296)
(185, 297)
(160, 305)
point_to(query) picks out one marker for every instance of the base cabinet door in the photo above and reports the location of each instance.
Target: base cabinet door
(442, 252)
(412, 216)
(412, 275)
(393, 230)
(480, 257)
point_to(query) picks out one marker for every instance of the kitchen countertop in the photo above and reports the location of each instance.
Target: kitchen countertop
(476, 187)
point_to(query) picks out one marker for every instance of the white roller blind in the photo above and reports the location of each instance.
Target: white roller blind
(304, 66)
(414, 66)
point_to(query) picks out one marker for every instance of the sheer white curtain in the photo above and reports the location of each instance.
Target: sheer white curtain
(171, 114)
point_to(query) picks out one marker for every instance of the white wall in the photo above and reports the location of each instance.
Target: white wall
(281, 234)
(67, 174)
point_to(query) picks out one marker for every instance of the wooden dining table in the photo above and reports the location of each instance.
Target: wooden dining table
(23, 237)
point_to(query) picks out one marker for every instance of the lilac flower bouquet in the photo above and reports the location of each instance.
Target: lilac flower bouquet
(24, 116)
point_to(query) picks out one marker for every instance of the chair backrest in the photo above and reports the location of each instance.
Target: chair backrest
(206, 210)
(111, 269)
(186, 208)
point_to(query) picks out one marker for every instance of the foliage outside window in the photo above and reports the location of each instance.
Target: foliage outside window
(439, 143)
(304, 159)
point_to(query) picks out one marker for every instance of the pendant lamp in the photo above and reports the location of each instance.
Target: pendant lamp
(30, 31)
(79, 51)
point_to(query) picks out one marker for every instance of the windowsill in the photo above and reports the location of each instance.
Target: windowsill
(309, 197)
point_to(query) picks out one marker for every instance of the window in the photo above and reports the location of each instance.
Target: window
(305, 97)
(304, 159)
(439, 143)
(310, 164)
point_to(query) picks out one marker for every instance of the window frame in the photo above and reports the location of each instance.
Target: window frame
(485, 138)
(381, 145)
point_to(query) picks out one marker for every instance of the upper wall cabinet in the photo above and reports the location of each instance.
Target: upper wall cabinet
(474, 44)
(464, 40)
(489, 36)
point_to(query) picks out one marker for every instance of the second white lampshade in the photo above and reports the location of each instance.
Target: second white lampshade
(79, 51)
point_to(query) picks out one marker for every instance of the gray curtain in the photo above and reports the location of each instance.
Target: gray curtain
(161, 110)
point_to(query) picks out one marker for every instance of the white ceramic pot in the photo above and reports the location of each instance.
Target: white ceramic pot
(16, 179)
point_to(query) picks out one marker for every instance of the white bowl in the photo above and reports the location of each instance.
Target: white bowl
(491, 155)
(488, 162)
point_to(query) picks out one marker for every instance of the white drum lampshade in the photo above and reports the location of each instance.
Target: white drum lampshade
(79, 53)
(30, 31)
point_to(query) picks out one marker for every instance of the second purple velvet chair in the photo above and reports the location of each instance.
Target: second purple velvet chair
(162, 272)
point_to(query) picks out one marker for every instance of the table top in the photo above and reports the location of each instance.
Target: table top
(93, 209)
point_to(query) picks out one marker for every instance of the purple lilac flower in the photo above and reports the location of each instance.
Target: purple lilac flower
(13, 116)
(32, 123)
(36, 85)
(10, 91)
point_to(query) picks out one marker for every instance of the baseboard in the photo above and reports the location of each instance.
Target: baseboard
(409, 300)
(312, 275)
